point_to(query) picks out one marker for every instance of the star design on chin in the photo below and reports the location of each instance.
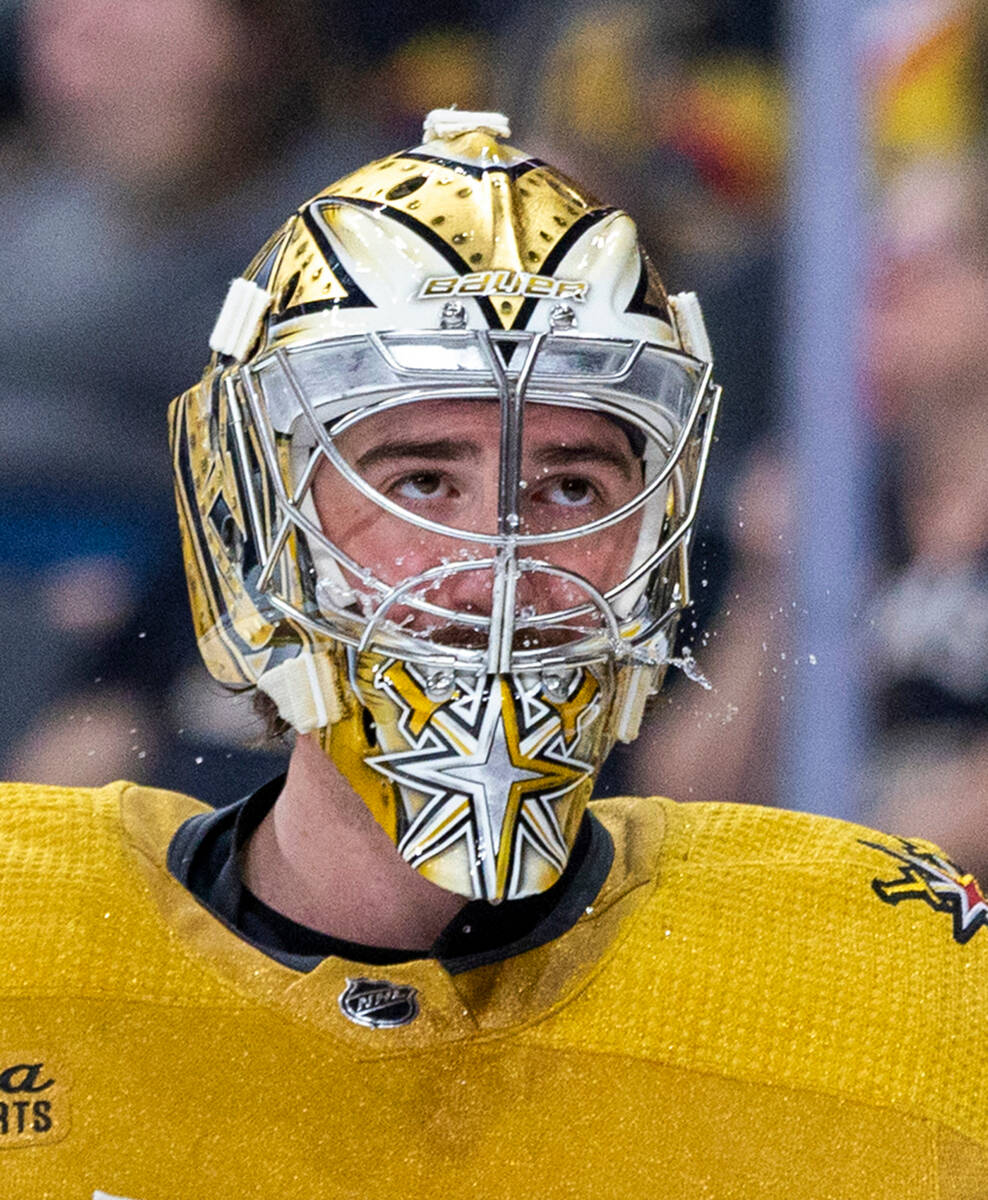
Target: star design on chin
(492, 775)
(495, 783)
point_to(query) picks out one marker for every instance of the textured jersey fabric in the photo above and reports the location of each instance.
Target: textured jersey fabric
(758, 1005)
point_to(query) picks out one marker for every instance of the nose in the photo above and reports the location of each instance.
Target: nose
(466, 588)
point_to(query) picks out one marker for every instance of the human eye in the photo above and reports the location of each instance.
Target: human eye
(418, 486)
(568, 491)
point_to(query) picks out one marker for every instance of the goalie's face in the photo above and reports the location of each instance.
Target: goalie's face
(440, 460)
(481, 538)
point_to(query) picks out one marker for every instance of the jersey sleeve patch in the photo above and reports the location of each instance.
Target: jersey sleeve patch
(925, 873)
(34, 1106)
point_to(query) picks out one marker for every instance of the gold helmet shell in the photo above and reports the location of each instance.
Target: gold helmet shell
(460, 268)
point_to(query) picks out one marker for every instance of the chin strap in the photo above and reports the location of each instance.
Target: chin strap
(306, 690)
(634, 688)
(636, 683)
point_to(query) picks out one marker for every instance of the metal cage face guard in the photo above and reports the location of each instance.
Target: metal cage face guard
(626, 424)
(436, 492)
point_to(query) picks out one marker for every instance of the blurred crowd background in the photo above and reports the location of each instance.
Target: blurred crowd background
(148, 148)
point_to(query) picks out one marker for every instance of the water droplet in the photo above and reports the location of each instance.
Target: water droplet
(689, 667)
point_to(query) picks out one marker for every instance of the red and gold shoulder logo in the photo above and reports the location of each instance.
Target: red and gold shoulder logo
(926, 874)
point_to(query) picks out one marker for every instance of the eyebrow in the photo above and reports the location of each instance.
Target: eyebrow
(440, 448)
(450, 450)
(588, 452)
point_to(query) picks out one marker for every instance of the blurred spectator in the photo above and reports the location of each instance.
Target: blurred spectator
(929, 312)
(928, 363)
(922, 70)
(146, 126)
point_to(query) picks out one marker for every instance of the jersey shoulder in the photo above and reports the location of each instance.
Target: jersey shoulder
(836, 859)
(810, 869)
(806, 951)
(76, 914)
(52, 837)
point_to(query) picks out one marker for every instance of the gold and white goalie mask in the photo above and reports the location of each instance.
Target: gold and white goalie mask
(436, 490)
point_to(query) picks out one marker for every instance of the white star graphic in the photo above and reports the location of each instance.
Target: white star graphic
(486, 775)
(972, 907)
(490, 774)
(946, 889)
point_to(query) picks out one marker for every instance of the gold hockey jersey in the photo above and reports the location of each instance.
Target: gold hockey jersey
(758, 1005)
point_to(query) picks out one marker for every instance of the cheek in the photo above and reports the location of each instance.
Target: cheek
(388, 552)
(359, 528)
(393, 551)
(604, 558)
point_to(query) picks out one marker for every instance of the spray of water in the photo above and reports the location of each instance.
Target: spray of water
(691, 669)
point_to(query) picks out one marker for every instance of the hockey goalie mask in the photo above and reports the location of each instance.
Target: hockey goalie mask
(436, 491)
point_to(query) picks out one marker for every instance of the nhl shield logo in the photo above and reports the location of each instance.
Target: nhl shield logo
(379, 1004)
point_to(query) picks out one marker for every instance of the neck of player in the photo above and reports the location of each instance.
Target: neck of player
(321, 859)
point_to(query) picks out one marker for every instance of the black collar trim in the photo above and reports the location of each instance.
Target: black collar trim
(204, 856)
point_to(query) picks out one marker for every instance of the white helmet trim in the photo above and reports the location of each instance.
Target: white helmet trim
(444, 123)
(239, 320)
